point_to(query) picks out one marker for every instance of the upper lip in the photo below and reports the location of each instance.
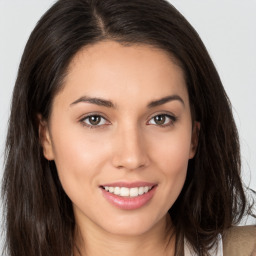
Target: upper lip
(129, 184)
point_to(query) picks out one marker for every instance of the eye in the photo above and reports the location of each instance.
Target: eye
(162, 120)
(94, 121)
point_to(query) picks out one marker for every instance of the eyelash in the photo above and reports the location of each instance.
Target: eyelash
(171, 122)
(82, 121)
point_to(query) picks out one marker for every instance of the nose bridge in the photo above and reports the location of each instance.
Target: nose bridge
(129, 148)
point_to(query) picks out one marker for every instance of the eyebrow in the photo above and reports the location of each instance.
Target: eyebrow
(110, 104)
(96, 101)
(164, 100)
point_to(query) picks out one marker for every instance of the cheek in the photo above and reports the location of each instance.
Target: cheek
(172, 159)
(174, 166)
(78, 158)
(174, 172)
(172, 151)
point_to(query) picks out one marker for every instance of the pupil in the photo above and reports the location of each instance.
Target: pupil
(160, 119)
(94, 120)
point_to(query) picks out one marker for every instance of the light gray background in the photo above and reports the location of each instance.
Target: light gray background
(227, 27)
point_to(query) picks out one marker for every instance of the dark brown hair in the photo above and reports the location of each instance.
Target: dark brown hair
(39, 215)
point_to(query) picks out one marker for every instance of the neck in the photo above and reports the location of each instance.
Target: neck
(160, 240)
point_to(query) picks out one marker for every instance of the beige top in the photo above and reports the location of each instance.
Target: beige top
(236, 241)
(240, 241)
(216, 251)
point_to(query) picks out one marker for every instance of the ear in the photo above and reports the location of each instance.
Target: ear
(194, 139)
(45, 138)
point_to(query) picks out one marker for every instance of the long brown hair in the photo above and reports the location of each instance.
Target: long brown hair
(39, 215)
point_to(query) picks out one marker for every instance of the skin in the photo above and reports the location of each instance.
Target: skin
(126, 145)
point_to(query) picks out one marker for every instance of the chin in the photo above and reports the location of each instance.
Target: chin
(133, 226)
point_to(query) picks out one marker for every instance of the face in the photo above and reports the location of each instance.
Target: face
(121, 136)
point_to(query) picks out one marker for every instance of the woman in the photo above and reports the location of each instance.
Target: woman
(121, 138)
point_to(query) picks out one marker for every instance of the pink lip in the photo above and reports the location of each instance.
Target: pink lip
(129, 203)
(129, 184)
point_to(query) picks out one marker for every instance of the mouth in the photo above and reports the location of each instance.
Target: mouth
(128, 196)
(128, 192)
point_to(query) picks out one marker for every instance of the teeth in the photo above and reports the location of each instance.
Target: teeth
(128, 192)
(134, 192)
(141, 190)
(124, 191)
(117, 191)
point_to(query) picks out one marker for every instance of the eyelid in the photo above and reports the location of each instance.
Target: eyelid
(173, 118)
(96, 113)
(166, 113)
(84, 117)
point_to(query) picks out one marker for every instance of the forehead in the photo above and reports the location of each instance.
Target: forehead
(111, 70)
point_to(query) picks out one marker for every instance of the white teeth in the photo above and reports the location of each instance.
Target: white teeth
(117, 191)
(124, 191)
(141, 190)
(134, 192)
(128, 192)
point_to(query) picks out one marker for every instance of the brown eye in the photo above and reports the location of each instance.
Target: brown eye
(94, 121)
(160, 119)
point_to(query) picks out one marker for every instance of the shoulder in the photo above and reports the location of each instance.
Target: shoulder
(240, 241)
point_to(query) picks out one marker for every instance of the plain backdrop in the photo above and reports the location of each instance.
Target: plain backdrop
(227, 27)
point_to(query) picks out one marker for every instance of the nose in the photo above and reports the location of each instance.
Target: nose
(129, 150)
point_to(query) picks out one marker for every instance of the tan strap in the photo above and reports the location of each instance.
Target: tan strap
(240, 241)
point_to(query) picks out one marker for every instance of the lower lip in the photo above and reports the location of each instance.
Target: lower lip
(129, 203)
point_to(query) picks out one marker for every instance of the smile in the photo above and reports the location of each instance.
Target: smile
(128, 196)
(128, 192)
